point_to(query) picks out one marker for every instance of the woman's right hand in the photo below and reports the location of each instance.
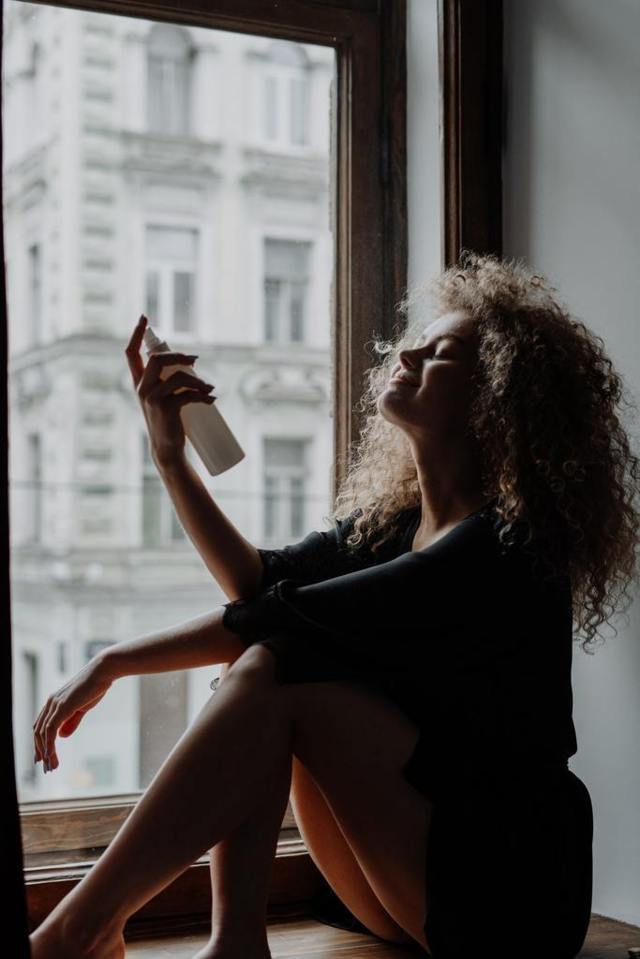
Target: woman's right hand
(64, 709)
(160, 405)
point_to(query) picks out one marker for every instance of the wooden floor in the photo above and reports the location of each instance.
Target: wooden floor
(607, 939)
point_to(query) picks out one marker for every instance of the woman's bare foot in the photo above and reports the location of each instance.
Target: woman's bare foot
(55, 939)
(207, 952)
(231, 948)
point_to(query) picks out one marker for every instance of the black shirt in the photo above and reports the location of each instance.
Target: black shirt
(460, 634)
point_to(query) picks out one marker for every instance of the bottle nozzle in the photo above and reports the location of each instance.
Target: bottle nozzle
(151, 341)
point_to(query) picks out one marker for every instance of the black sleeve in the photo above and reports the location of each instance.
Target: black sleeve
(318, 556)
(364, 621)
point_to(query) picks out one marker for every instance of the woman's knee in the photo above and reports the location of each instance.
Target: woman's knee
(256, 663)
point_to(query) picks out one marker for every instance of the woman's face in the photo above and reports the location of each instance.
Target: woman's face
(435, 403)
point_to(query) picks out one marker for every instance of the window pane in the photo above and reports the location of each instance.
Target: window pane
(287, 269)
(34, 466)
(287, 259)
(298, 109)
(297, 505)
(152, 308)
(297, 311)
(284, 479)
(183, 319)
(169, 64)
(99, 554)
(270, 114)
(152, 491)
(171, 243)
(35, 290)
(272, 296)
(171, 263)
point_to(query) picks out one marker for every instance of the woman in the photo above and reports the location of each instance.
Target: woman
(407, 674)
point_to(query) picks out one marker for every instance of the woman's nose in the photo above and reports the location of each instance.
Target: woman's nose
(406, 358)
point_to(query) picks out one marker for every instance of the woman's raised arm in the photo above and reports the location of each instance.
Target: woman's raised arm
(231, 559)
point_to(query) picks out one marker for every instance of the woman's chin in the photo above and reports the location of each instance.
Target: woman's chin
(394, 392)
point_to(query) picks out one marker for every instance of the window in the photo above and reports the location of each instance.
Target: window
(34, 510)
(285, 290)
(160, 524)
(169, 60)
(171, 255)
(345, 99)
(286, 91)
(35, 292)
(27, 706)
(36, 94)
(285, 483)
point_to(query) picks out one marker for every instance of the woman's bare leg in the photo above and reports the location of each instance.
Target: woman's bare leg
(209, 784)
(241, 866)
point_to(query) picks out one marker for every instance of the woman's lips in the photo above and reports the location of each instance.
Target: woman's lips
(404, 381)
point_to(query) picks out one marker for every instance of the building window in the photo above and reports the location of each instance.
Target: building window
(160, 523)
(169, 66)
(30, 705)
(286, 280)
(34, 453)
(284, 488)
(35, 291)
(171, 263)
(285, 107)
(35, 96)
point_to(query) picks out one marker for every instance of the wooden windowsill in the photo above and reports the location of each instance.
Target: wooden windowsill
(185, 904)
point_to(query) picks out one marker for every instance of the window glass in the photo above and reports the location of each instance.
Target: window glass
(188, 202)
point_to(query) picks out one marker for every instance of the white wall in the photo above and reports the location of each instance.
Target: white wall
(572, 210)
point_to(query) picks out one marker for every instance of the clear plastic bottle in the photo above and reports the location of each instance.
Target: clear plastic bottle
(203, 425)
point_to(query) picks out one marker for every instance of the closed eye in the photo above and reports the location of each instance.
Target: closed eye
(442, 355)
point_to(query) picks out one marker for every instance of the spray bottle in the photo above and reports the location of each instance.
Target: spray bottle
(203, 425)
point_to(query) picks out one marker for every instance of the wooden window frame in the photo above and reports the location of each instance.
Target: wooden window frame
(369, 222)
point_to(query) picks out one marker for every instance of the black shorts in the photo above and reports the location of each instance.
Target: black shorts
(509, 872)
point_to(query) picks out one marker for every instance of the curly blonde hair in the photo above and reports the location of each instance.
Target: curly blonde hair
(554, 453)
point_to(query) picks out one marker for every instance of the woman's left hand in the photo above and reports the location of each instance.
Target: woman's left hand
(64, 709)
